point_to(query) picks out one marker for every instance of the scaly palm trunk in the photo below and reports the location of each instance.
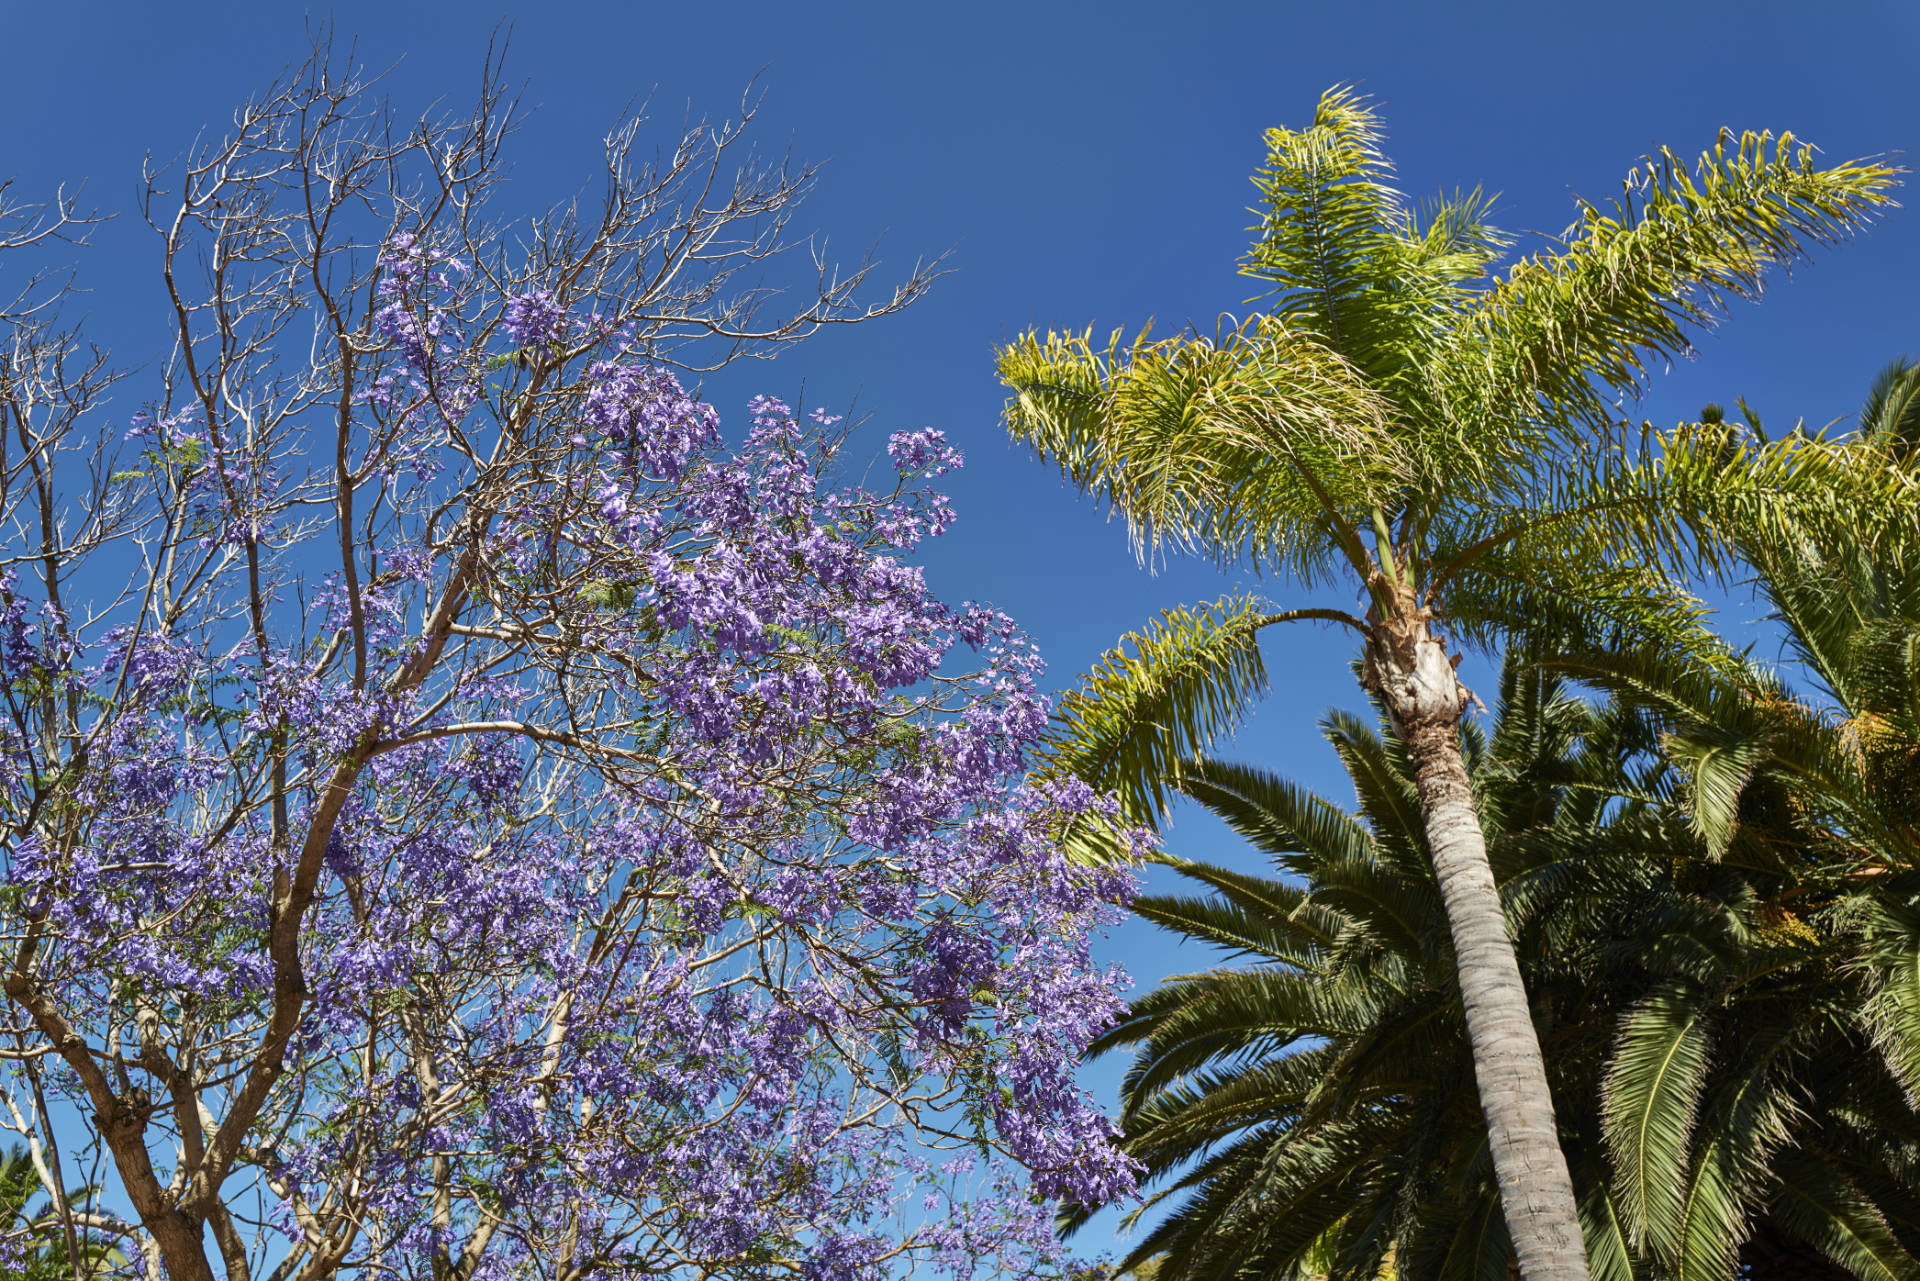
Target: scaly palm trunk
(1410, 669)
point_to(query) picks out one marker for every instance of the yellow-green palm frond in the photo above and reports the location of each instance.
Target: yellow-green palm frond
(1704, 502)
(1565, 333)
(1891, 416)
(1597, 553)
(1828, 597)
(1726, 493)
(1688, 502)
(1351, 263)
(1544, 591)
(1452, 241)
(1244, 445)
(1160, 697)
(1330, 214)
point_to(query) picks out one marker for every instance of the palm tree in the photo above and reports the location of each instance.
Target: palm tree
(1790, 1105)
(1447, 443)
(1314, 1113)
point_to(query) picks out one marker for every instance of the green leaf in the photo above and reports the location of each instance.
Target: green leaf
(1163, 696)
(1648, 1105)
(1891, 1014)
(1890, 418)
(1572, 330)
(1829, 1212)
(1243, 445)
(1719, 763)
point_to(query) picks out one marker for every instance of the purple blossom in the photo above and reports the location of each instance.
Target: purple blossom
(660, 825)
(532, 318)
(924, 452)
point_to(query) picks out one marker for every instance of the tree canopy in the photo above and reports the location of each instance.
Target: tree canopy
(459, 813)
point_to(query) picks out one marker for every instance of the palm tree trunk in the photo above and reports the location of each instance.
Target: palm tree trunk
(1411, 671)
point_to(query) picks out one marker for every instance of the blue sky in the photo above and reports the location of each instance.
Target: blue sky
(1085, 164)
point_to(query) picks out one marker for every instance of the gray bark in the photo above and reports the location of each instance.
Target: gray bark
(1411, 671)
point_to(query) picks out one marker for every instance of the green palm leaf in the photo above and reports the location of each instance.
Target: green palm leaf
(1231, 926)
(1891, 416)
(1480, 1249)
(1827, 1210)
(1241, 444)
(1564, 333)
(1273, 814)
(1892, 1014)
(1650, 1099)
(1188, 680)
(1609, 1251)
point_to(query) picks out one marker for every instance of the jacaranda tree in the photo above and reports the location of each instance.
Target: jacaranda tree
(462, 817)
(1445, 442)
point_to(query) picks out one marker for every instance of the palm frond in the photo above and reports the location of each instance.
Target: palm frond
(1200, 1020)
(1567, 332)
(1243, 445)
(1455, 241)
(1231, 926)
(1610, 1253)
(1163, 696)
(1742, 723)
(1350, 263)
(1382, 781)
(1329, 217)
(1824, 1208)
(1480, 1249)
(1272, 814)
(1264, 896)
(1746, 1120)
(1821, 596)
(1649, 1101)
(1891, 416)
(1891, 1015)
(1686, 504)
(1521, 592)
(1198, 1114)
(1719, 764)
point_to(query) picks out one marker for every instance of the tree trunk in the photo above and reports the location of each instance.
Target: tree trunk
(1409, 668)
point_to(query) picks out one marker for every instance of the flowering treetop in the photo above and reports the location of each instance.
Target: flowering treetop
(463, 819)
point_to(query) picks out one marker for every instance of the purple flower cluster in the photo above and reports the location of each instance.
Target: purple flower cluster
(680, 903)
(924, 452)
(532, 318)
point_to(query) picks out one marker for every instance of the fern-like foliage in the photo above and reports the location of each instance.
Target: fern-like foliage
(1732, 1022)
(1231, 445)
(1186, 679)
(1890, 418)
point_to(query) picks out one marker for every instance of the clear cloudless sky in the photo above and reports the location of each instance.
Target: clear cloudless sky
(1085, 164)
